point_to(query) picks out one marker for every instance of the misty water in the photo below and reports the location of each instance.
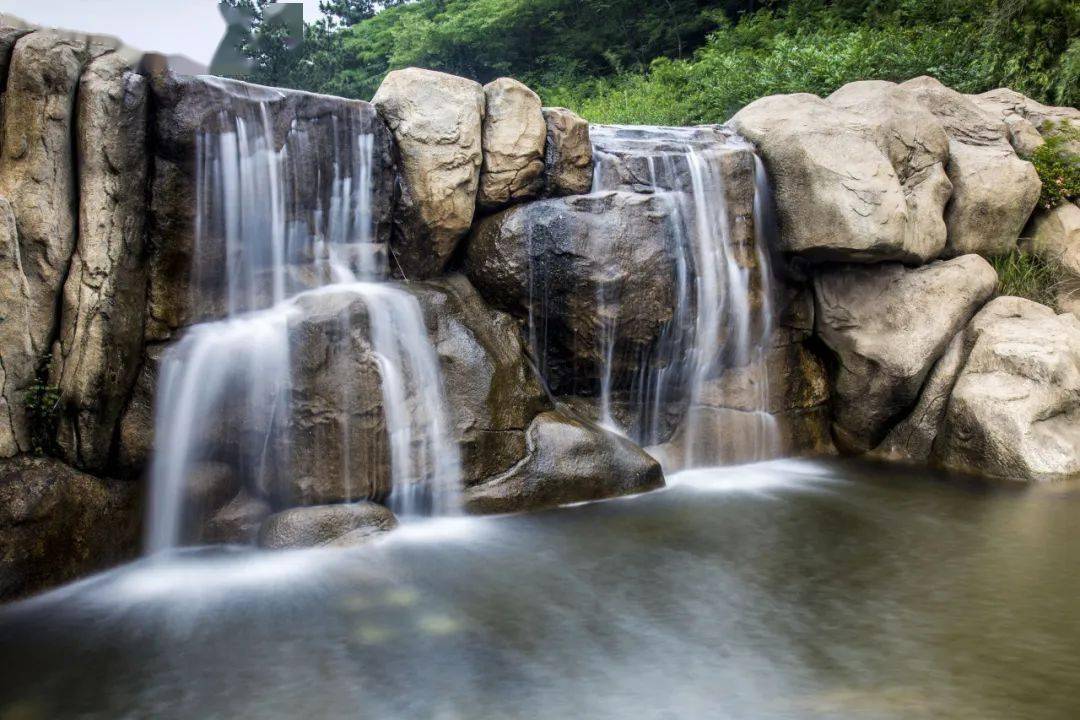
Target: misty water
(791, 589)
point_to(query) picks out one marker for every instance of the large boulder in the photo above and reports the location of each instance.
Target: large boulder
(1014, 411)
(437, 121)
(101, 328)
(513, 144)
(1026, 119)
(918, 150)
(17, 357)
(567, 461)
(187, 287)
(994, 191)
(887, 325)
(577, 267)
(37, 171)
(335, 525)
(568, 160)
(57, 524)
(837, 194)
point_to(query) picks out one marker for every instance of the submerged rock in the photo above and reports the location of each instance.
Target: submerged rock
(513, 144)
(568, 160)
(57, 524)
(337, 525)
(994, 191)
(436, 120)
(567, 461)
(888, 325)
(1014, 411)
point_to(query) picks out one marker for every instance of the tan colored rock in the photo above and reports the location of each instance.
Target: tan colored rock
(994, 191)
(1014, 411)
(888, 325)
(918, 149)
(436, 119)
(336, 525)
(101, 329)
(17, 357)
(837, 194)
(513, 144)
(1022, 115)
(567, 461)
(1054, 235)
(37, 171)
(568, 160)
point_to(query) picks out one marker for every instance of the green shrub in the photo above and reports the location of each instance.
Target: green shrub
(1058, 165)
(1028, 276)
(42, 402)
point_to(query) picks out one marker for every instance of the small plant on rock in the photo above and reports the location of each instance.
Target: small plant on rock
(1028, 276)
(42, 402)
(1058, 165)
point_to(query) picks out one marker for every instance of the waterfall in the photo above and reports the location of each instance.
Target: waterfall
(273, 230)
(722, 318)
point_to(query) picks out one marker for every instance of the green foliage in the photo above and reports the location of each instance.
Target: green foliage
(1058, 165)
(1028, 276)
(42, 403)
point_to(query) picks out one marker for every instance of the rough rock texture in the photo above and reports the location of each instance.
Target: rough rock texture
(336, 525)
(436, 120)
(101, 329)
(994, 191)
(567, 461)
(491, 392)
(37, 171)
(513, 144)
(57, 524)
(556, 258)
(837, 194)
(887, 326)
(1014, 412)
(917, 148)
(568, 160)
(1023, 116)
(17, 358)
(1054, 235)
(136, 436)
(179, 295)
(238, 521)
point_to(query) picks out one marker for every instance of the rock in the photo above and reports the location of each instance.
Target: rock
(11, 29)
(513, 144)
(837, 194)
(994, 191)
(917, 148)
(337, 525)
(1014, 412)
(57, 524)
(436, 120)
(553, 259)
(37, 172)
(1023, 115)
(568, 161)
(238, 521)
(136, 435)
(491, 391)
(887, 326)
(17, 358)
(209, 486)
(301, 123)
(1054, 235)
(101, 328)
(567, 461)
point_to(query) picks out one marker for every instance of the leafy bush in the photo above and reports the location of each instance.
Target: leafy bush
(42, 403)
(1058, 165)
(1028, 276)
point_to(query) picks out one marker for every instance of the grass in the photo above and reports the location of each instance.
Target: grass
(1028, 276)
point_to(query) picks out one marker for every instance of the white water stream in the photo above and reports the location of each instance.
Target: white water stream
(224, 387)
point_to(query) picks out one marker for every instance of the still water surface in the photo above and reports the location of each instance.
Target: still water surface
(792, 589)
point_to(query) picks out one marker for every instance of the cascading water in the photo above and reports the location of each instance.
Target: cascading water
(722, 317)
(267, 239)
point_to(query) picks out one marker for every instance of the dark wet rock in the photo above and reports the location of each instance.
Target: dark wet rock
(338, 525)
(567, 461)
(57, 524)
(238, 521)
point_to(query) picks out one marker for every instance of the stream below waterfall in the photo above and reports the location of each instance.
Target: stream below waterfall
(790, 589)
